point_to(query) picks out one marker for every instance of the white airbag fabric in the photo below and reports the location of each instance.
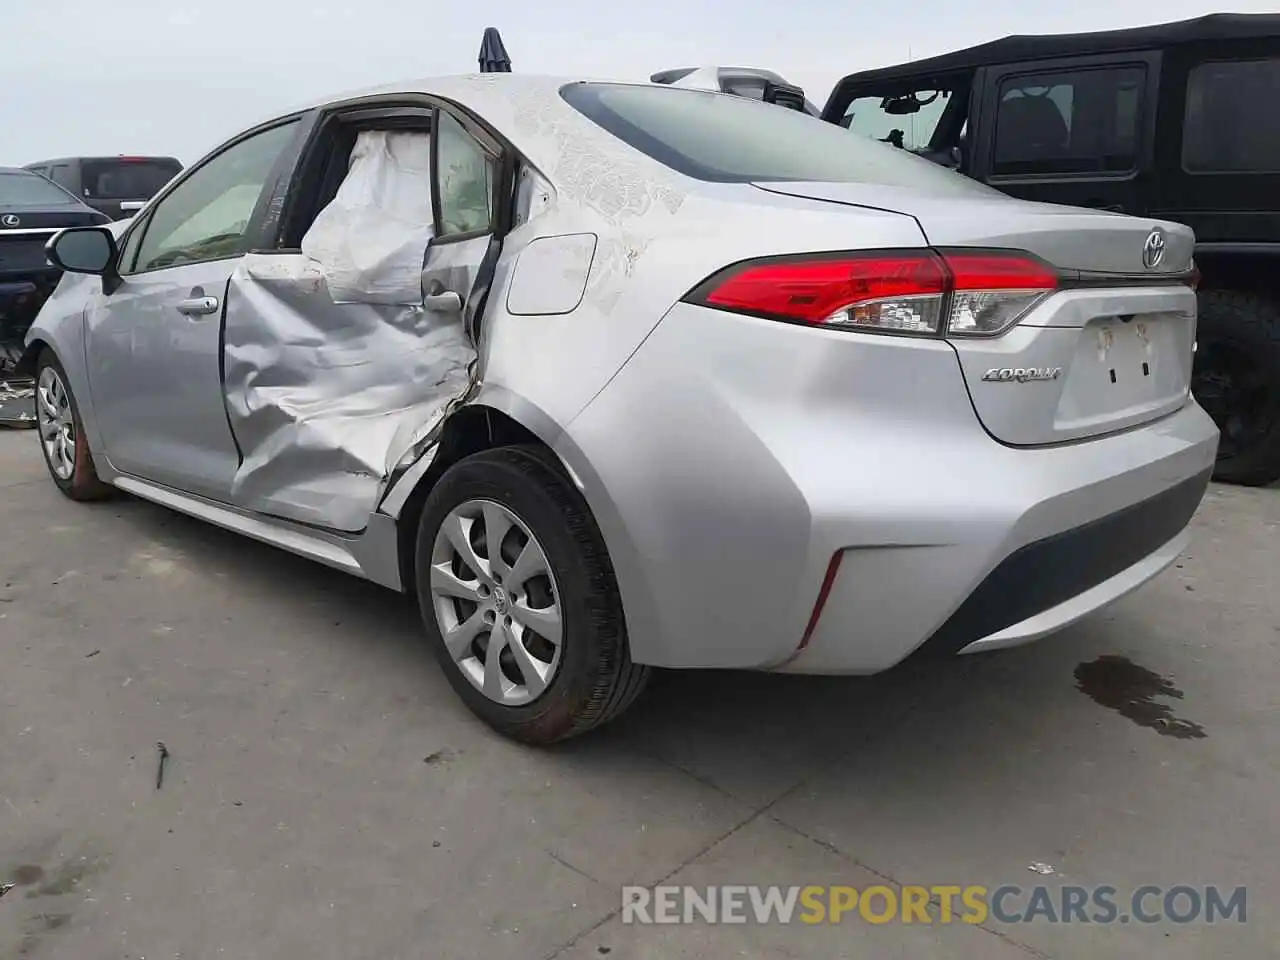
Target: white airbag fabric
(370, 240)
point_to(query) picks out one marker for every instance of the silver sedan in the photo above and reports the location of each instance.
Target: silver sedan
(622, 376)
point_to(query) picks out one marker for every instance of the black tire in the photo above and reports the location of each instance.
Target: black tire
(595, 680)
(83, 484)
(1237, 380)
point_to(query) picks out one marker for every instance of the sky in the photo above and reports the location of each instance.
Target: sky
(172, 77)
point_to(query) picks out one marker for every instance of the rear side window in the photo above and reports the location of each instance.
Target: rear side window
(1233, 118)
(63, 175)
(24, 188)
(126, 179)
(718, 137)
(1085, 121)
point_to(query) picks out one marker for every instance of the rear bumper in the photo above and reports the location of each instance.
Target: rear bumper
(732, 459)
(1044, 585)
(1069, 551)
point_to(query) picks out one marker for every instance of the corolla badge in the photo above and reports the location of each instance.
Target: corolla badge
(1021, 374)
(1153, 249)
(10, 220)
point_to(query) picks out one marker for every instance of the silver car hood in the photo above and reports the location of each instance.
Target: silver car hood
(1070, 238)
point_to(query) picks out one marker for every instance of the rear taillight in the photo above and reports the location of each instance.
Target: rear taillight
(993, 291)
(951, 292)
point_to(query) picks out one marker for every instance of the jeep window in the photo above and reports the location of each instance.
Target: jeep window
(23, 188)
(1233, 118)
(874, 117)
(711, 136)
(1086, 121)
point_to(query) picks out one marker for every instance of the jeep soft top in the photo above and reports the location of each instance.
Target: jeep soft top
(1020, 48)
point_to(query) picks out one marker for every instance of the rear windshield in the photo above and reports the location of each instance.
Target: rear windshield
(29, 188)
(713, 136)
(126, 179)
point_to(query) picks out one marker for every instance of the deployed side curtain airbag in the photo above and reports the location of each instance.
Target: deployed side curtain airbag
(369, 241)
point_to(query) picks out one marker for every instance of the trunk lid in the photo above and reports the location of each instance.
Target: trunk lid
(1110, 350)
(1070, 238)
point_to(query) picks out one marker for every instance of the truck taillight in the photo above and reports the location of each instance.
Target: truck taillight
(922, 292)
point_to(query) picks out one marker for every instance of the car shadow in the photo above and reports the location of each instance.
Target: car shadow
(756, 737)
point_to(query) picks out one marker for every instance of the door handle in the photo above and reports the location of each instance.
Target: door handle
(442, 301)
(436, 297)
(198, 306)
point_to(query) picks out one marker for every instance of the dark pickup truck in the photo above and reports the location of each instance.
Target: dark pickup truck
(118, 186)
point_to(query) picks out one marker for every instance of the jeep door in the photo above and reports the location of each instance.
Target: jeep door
(1076, 131)
(1220, 120)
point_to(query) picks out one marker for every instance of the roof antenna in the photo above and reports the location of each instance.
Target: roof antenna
(493, 53)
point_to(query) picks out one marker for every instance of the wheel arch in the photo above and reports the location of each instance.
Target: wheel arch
(26, 365)
(473, 428)
(497, 417)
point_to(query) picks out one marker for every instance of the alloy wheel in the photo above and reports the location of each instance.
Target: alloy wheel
(496, 602)
(56, 423)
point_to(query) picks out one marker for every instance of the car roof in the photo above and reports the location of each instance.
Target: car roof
(526, 108)
(1012, 49)
(469, 86)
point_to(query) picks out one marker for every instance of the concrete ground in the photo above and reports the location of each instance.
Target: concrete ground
(327, 797)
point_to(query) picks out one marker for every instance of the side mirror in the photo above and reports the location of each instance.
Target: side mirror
(89, 250)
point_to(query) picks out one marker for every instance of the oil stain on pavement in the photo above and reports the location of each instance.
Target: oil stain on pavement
(1130, 690)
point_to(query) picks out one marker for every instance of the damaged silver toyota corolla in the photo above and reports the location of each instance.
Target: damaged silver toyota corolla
(616, 376)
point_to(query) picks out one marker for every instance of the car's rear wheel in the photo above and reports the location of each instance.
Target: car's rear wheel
(519, 598)
(62, 439)
(1237, 381)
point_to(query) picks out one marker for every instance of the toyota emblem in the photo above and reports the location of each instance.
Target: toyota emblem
(1153, 249)
(10, 220)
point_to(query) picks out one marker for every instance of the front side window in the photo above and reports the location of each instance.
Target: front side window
(21, 188)
(710, 136)
(907, 122)
(1086, 121)
(466, 173)
(206, 216)
(1233, 121)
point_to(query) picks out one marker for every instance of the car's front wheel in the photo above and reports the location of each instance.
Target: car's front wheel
(62, 439)
(519, 598)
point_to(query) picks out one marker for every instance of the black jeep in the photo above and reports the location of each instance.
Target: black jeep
(1179, 121)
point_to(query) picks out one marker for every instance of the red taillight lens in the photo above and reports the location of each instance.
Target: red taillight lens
(919, 292)
(993, 291)
(891, 290)
(998, 271)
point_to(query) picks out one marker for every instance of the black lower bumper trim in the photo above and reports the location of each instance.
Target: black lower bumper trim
(1045, 573)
